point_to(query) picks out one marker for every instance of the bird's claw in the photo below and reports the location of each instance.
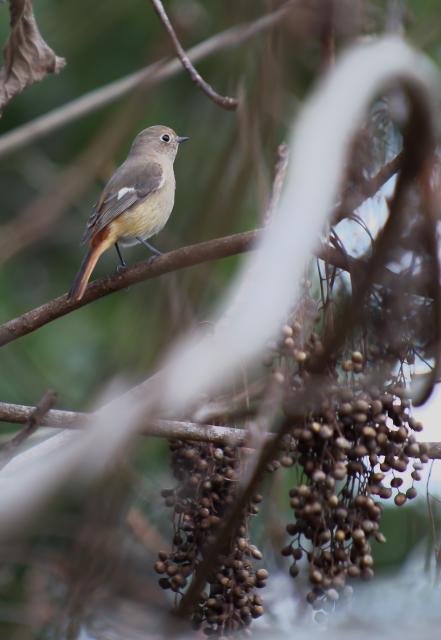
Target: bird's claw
(121, 268)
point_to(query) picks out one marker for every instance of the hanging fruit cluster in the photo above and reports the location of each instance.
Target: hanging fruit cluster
(352, 448)
(207, 479)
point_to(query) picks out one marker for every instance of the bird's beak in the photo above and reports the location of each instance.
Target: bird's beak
(182, 138)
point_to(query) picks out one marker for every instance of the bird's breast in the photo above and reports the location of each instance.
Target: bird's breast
(148, 217)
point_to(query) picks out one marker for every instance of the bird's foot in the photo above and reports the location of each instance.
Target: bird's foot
(150, 247)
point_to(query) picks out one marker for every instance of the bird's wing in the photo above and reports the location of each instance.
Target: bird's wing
(128, 186)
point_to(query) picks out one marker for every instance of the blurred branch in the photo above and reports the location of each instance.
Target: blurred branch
(170, 429)
(278, 182)
(430, 211)
(144, 531)
(145, 78)
(223, 101)
(327, 37)
(34, 418)
(367, 189)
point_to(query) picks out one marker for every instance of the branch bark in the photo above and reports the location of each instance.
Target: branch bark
(172, 261)
(170, 429)
(182, 430)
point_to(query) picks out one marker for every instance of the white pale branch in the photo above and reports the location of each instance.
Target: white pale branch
(268, 286)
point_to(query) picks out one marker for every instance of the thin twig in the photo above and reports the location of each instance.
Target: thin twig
(34, 418)
(145, 78)
(223, 101)
(22, 413)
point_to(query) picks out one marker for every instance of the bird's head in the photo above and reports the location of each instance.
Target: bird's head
(158, 140)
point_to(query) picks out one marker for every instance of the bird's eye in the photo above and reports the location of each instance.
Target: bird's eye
(165, 137)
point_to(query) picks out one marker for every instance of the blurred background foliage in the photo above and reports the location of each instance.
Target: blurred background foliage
(223, 183)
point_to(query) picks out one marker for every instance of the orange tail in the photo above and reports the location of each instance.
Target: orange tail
(85, 271)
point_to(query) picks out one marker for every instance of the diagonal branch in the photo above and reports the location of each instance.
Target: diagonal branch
(172, 261)
(223, 101)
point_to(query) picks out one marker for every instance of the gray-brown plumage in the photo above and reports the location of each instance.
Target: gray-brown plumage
(136, 202)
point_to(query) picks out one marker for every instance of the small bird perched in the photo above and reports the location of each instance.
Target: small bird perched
(135, 203)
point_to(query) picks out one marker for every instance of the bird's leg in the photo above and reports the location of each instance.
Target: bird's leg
(123, 264)
(149, 246)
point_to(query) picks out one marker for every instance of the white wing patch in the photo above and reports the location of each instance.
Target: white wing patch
(122, 192)
(161, 184)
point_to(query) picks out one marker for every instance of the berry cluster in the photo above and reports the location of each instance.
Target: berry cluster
(350, 451)
(207, 479)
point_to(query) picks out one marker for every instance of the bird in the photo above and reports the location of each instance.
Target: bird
(136, 202)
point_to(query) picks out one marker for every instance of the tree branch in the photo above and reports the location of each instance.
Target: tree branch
(145, 78)
(21, 414)
(170, 429)
(172, 261)
(182, 430)
(223, 101)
